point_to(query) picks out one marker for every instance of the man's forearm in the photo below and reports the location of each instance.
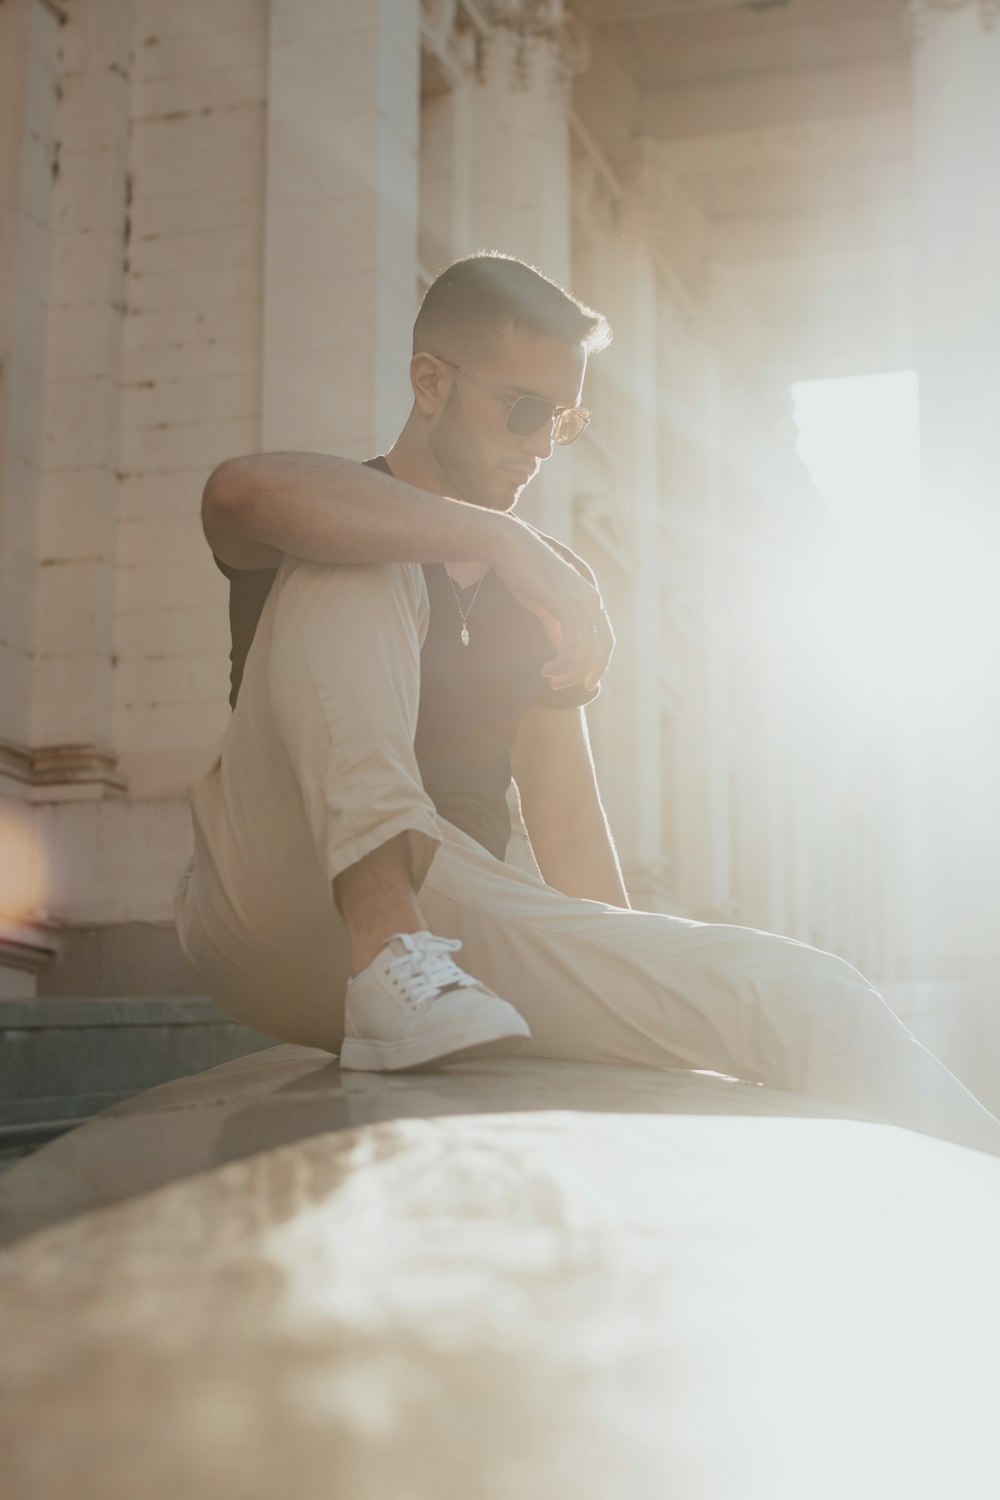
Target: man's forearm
(333, 510)
(581, 861)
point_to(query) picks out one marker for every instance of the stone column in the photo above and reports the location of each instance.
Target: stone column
(715, 883)
(72, 728)
(952, 740)
(629, 426)
(520, 169)
(956, 118)
(520, 162)
(28, 94)
(642, 393)
(448, 83)
(340, 291)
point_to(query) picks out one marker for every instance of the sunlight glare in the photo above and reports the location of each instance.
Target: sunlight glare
(25, 875)
(887, 611)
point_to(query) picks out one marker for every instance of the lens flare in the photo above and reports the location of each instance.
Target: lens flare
(25, 870)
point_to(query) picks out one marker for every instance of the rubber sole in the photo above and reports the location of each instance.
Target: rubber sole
(361, 1055)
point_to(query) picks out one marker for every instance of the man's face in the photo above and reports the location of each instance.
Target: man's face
(481, 461)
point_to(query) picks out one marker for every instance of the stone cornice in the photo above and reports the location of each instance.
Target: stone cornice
(50, 766)
(460, 32)
(27, 943)
(528, 18)
(452, 30)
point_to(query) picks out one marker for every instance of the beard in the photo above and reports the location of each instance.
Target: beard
(459, 455)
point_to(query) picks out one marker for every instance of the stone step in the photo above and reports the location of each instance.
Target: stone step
(64, 1059)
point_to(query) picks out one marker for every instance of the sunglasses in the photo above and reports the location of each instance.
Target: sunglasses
(528, 413)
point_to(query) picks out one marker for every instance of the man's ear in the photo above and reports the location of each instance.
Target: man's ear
(429, 378)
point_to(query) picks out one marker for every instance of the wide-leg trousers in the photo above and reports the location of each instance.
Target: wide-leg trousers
(316, 768)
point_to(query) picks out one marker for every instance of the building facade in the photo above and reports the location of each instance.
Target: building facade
(218, 218)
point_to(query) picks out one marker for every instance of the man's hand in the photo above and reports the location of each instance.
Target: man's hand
(569, 607)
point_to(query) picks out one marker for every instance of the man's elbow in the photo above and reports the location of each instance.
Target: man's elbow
(229, 516)
(218, 498)
(227, 483)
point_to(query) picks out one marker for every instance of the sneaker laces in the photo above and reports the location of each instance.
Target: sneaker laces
(424, 969)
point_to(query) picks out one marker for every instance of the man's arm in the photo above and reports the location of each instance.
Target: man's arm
(333, 510)
(566, 823)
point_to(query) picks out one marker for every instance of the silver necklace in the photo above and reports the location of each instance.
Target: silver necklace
(465, 613)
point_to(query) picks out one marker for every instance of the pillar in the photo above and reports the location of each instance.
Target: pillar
(72, 721)
(28, 93)
(951, 741)
(520, 170)
(340, 271)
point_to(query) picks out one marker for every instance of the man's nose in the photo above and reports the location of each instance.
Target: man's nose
(541, 443)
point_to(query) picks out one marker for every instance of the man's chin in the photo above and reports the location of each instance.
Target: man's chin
(499, 497)
(497, 491)
(510, 488)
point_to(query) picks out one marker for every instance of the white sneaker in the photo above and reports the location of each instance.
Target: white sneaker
(413, 1004)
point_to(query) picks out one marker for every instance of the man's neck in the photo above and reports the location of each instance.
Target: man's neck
(409, 461)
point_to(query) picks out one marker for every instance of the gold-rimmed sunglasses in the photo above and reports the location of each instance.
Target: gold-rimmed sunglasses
(528, 413)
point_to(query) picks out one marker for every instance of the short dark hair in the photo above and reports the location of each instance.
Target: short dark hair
(475, 298)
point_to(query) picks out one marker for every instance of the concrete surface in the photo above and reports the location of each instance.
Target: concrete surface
(507, 1278)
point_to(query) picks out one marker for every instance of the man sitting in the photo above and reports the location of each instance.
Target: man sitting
(403, 644)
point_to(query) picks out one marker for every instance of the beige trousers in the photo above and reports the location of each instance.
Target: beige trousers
(316, 768)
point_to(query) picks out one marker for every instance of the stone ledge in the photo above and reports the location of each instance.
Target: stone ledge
(64, 1059)
(521, 1278)
(111, 1010)
(27, 944)
(286, 1093)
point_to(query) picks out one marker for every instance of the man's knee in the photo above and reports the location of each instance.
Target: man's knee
(321, 595)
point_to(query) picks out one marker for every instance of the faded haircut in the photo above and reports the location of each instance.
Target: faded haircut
(467, 308)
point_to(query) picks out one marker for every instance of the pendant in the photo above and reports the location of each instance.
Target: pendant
(465, 635)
